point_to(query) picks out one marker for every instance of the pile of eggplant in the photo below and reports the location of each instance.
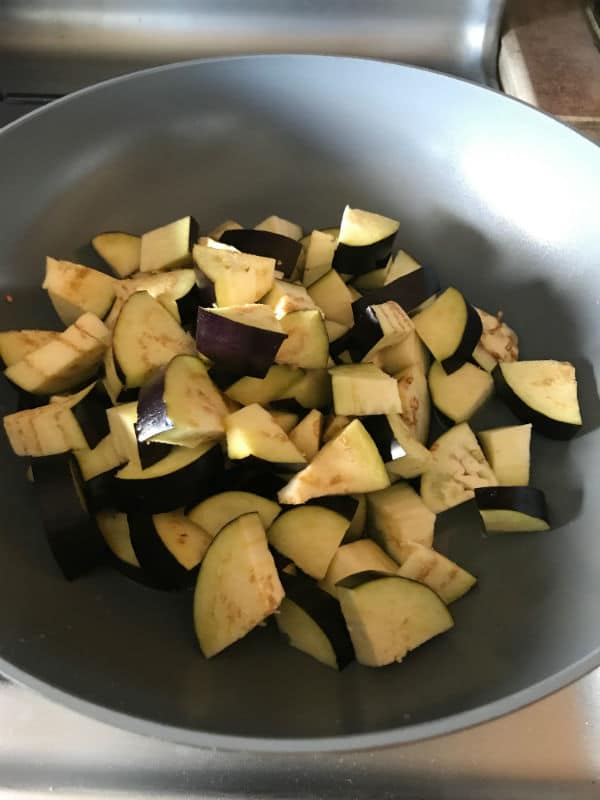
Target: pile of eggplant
(248, 412)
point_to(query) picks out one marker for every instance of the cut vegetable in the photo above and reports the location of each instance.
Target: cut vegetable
(180, 405)
(347, 464)
(397, 515)
(168, 546)
(74, 289)
(425, 565)
(66, 361)
(284, 227)
(389, 616)
(307, 434)
(508, 453)
(333, 297)
(285, 298)
(238, 277)
(319, 256)
(44, 431)
(307, 344)
(356, 557)
(114, 527)
(335, 423)
(276, 382)
(359, 520)
(458, 468)
(374, 279)
(238, 586)
(243, 339)
(414, 396)
(217, 511)
(15, 345)
(282, 248)
(309, 535)
(497, 343)
(379, 327)
(365, 241)
(72, 534)
(169, 246)
(406, 353)
(121, 251)
(405, 457)
(228, 225)
(399, 265)
(410, 291)
(512, 508)
(313, 390)
(286, 420)
(450, 328)
(462, 393)
(543, 393)
(99, 460)
(362, 389)
(177, 283)
(252, 431)
(312, 622)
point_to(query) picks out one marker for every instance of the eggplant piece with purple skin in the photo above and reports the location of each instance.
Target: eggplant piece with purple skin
(242, 349)
(380, 430)
(343, 504)
(312, 622)
(409, 291)
(258, 478)
(183, 478)
(283, 249)
(114, 527)
(365, 241)
(512, 508)
(74, 539)
(90, 413)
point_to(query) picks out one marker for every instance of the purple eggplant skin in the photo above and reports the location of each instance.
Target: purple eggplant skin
(342, 504)
(241, 349)
(152, 417)
(379, 430)
(409, 291)
(245, 477)
(202, 294)
(75, 541)
(357, 260)
(156, 560)
(90, 413)
(324, 610)
(551, 428)
(284, 250)
(464, 351)
(526, 499)
(253, 463)
(152, 452)
(184, 487)
(99, 491)
(360, 578)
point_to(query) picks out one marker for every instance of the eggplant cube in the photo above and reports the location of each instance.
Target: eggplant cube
(169, 246)
(398, 515)
(363, 389)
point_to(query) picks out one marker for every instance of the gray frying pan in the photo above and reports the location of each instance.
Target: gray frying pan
(502, 200)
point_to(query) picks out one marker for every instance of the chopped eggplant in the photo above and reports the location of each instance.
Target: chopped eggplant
(450, 327)
(114, 527)
(168, 546)
(72, 534)
(335, 331)
(180, 405)
(359, 520)
(497, 343)
(278, 380)
(388, 616)
(217, 511)
(358, 556)
(286, 297)
(458, 468)
(309, 535)
(333, 297)
(508, 453)
(404, 455)
(319, 256)
(512, 508)
(306, 345)
(306, 435)
(283, 227)
(368, 281)
(399, 265)
(145, 338)
(101, 459)
(347, 464)
(397, 515)
(74, 289)
(238, 278)
(379, 327)
(44, 431)
(363, 389)
(121, 251)
(462, 393)
(407, 353)
(252, 431)
(416, 406)
(282, 248)
(543, 393)
(184, 476)
(242, 339)
(178, 284)
(286, 420)
(425, 565)
(238, 586)
(313, 390)
(228, 225)
(15, 345)
(312, 622)
(65, 362)
(365, 241)
(169, 246)
(410, 291)
(89, 409)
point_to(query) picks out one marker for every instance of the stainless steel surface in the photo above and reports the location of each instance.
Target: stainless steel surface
(61, 45)
(549, 751)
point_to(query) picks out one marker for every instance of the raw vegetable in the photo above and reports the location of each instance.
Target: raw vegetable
(512, 508)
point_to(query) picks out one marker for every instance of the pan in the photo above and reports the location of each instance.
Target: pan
(500, 199)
